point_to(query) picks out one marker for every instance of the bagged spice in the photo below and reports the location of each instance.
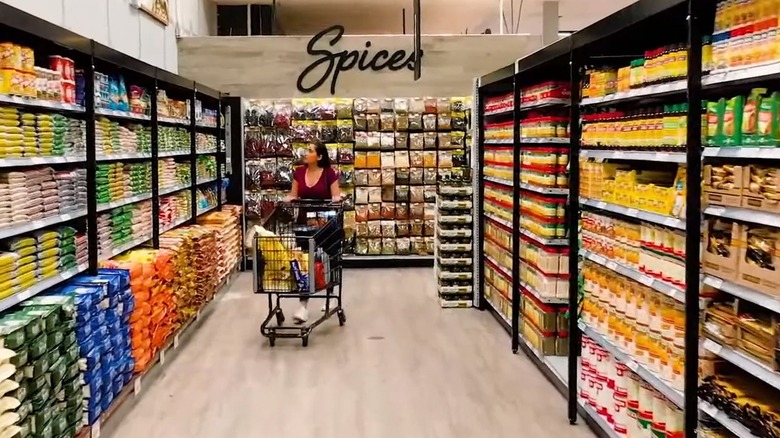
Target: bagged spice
(361, 177)
(374, 194)
(416, 175)
(345, 131)
(374, 177)
(374, 228)
(373, 140)
(403, 228)
(374, 211)
(388, 210)
(387, 121)
(374, 246)
(429, 122)
(415, 121)
(429, 176)
(402, 176)
(388, 193)
(402, 140)
(387, 141)
(388, 246)
(372, 122)
(361, 123)
(444, 121)
(388, 176)
(344, 109)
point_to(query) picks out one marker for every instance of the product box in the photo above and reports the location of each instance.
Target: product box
(719, 251)
(723, 185)
(541, 315)
(543, 342)
(720, 321)
(758, 334)
(759, 267)
(759, 180)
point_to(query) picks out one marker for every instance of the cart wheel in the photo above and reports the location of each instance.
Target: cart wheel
(272, 340)
(279, 318)
(342, 317)
(305, 340)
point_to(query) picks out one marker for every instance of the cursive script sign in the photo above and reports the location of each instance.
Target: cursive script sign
(333, 64)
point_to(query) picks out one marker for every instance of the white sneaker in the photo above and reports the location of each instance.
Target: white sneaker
(333, 303)
(301, 316)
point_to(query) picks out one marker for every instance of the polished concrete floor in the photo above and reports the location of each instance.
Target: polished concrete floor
(400, 367)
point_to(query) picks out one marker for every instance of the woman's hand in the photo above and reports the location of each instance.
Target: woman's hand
(289, 198)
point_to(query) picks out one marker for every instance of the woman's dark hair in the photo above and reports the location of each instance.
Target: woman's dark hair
(322, 151)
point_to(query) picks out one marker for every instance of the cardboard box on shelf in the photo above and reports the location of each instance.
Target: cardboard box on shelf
(720, 254)
(759, 190)
(757, 333)
(718, 177)
(759, 264)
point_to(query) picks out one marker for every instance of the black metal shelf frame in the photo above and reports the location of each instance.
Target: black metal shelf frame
(91, 57)
(596, 44)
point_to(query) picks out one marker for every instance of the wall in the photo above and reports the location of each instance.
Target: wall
(117, 24)
(269, 66)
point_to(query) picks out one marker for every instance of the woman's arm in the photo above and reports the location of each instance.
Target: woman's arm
(335, 190)
(293, 192)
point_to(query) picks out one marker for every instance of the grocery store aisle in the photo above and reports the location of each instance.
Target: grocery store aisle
(401, 366)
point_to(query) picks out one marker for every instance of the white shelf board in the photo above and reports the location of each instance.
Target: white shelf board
(499, 313)
(454, 190)
(497, 219)
(172, 154)
(121, 202)
(207, 152)
(666, 157)
(750, 365)
(37, 161)
(455, 304)
(206, 180)
(447, 261)
(173, 189)
(663, 287)
(498, 141)
(123, 156)
(646, 216)
(25, 227)
(543, 240)
(545, 140)
(764, 300)
(600, 421)
(455, 290)
(113, 252)
(121, 114)
(648, 376)
(40, 103)
(173, 121)
(503, 269)
(509, 110)
(740, 74)
(729, 423)
(42, 286)
(455, 234)
(543, 299)
(541, 103)
(504, 182)
(648, 91)
(462, 219)
(544, 190)
(445, 275)
(744, 214)
(767, 152)
(455, 205)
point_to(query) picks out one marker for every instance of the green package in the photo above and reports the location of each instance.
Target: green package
(732, 121)
(37, 368)
(72, 388)
(750, 116)
(49, 314)
(41, 398)
(715, 122)
(70, 353)
(37, 347)
(58, 370)
(22, 392)
(59, 424)
(26, 428)
(768, 131)
(35, 385)
(24, 410)
(72, 370)
(33, 326)
(21, 358)
(12, 333)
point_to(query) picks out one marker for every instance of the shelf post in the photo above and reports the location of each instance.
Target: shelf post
(220, 134)
(155, 171)
(516, 216)
(573, 225)
(693, 216)
(479, 296)
(193, 158)
(89, 107)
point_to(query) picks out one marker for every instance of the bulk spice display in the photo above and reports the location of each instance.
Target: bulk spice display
(454, 243)
(388, 152)
(661, 352)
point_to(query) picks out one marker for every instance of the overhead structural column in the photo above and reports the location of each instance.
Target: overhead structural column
(550, 22)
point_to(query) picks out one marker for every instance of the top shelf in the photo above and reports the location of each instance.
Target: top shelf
(50, 105)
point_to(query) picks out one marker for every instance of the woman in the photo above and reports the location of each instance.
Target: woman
(317, 180)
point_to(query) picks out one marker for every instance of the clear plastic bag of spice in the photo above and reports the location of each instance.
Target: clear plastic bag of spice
(361, 123)
(386, 105)
(445, 159)
(416, 194)
(346, 154)
(402, 122)
(402, 159)
(403, 228)
(429, 176)
(361, 213)
(345, 132)
(387, 121)
(416, 141)
(361, 195)
(344, 109)
(388, 226)
(445, 140)
(417, 211)
(429, 140)
(402, 176)
(429, 159)
(374, 177)
(459, 121)
(429, 193)
(388, 159)
(444, 121)
(327, 109)
(388, 193)
(402, 211)
(361, 230)
(428, 228)
(417, 228)
(388, 210)
(374, 212)
(443, 105)
(416, 175)
(373, 140)
(415, 122)
(299, 109)
(374, 246)
(429, 122)
(374, 228)
(388, 176)
(416, 158)
(346, 175)
(401, 105)
(388, 246)
(360, 105)
(361, 246)
(403, 246)
(402, 140)
(387, 141)
(361, 141)
(361, 177)
(374, 195)
(374, 106)
(372, 122)
(401, 193)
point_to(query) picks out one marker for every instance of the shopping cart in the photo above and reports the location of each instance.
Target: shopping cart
(299, 256)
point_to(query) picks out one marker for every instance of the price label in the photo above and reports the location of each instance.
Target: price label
(601, 204)
(612, 265)
(717, 283)
(632, 365)
(95, 432)
(671, 222)
(136, 387)
(162, 357)
(632, 212)
(644, 279)
(197, 315)
(618, 154)
(713, 347)
(717, 211)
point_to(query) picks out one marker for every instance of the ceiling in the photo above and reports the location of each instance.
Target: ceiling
(306, 17)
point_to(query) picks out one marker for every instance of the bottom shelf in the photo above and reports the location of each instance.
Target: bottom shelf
(387, 261)
(455, 304)
(127, 398)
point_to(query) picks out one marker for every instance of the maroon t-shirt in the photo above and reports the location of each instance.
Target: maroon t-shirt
(321, 189)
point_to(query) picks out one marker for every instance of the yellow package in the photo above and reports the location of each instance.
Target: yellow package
(23, 269)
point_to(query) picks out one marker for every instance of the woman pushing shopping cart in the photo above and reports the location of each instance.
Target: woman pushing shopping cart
(299, 249)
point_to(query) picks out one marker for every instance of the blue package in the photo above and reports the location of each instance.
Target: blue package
(92, 358)
(84, 297)
(83, 332)
(119, 385)
(123, 274)
(98, 321)
(128, 377)
(104, 344)
(93, 413)
(117, 341)
(108, 398)
(94, 385)
(108, 287)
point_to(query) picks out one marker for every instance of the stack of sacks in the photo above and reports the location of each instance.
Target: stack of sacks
(128, 140)
(166, 171)
(65, 185)
(25, 250)
(104, 231)
(183, 172)
(75, 140)
(184, 285)
(10, 133)
(113, 357)
(225, 226)
(121, 225)
(82, 251)
(52, 202)
(144, 136)
(141, 222)
(25, 191)
(45, 131)
(68, 248)
(48, 252)
(137, 178)
(59, 131)
(206, 167)
(167, 211)
(40, 375)
(109, 182)
(163, 302)
(50, 388)
(6, 206)
(81, 188)
(205, 261)
(29, 135)
(107, 139)
(171, 139)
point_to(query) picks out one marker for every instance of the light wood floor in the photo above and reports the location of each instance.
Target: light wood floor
(401, 367)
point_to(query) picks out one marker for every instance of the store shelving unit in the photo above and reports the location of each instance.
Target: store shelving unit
(454, 244)
(99, 146)
(691, 281)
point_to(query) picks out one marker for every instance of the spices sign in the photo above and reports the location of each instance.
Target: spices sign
(332, 64)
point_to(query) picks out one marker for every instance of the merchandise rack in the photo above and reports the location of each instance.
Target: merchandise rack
(454, 244)
(696, 289)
